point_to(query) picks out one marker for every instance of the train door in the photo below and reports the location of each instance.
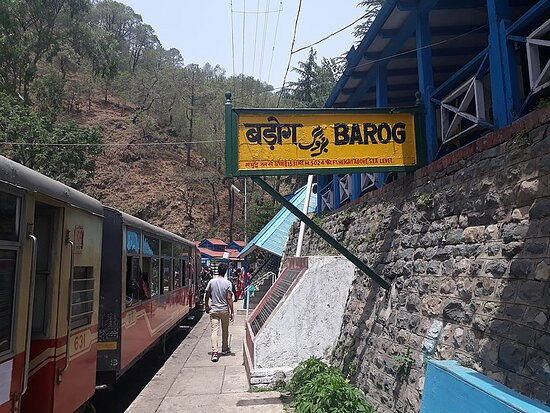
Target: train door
(46, 229)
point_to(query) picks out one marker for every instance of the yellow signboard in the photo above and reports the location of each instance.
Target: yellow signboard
(286, 142)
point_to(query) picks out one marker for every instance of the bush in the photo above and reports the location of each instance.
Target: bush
(306, 371)
(319, 388)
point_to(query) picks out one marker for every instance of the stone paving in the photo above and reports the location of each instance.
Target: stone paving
(189, 382)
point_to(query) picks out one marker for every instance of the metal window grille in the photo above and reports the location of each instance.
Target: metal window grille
(83, 297)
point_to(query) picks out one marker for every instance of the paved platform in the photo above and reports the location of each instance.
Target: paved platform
(189, 382)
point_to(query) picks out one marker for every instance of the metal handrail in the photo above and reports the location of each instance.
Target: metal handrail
(29, 315)
(69, 310)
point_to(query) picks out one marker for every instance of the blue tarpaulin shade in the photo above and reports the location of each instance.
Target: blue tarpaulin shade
(273, 237)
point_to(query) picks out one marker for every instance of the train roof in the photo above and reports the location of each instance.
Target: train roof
(137, 223)
(20, 176)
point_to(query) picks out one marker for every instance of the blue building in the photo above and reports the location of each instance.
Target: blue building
(470, 66)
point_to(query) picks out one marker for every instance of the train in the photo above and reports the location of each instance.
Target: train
(85, 291)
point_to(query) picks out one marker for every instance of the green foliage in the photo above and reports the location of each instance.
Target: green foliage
(372, 7)
(521, 139)
(305, 372)
(261, 210)
(33, 141)
(404, 363)
(319, 388)
(425, 200)
(314, 82)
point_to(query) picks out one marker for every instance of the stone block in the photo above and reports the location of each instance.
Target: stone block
(511, 356)
(511, 249)
(514, 311)
(529, 190)
(520, 214)
(542, 271)
(496, 268)
(520, 268)
(543, 342)
(522, 334)
(484, 288)
(537, 366)
(454, 236)
(536, 317)
(455, 311)
(530, 291)
(465, 289)
(540, 208)
(514, 231)
(474, 234)
(535, 246)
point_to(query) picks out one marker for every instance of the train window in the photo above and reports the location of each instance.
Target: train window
(150, 246)
(155, 277)
(133, 281)
(83, 297)
(185, 267)
(177, 273)
(10, 206)
(166, 274)
(133, 239)
(7, 279)
(178, 250)
(166, 248)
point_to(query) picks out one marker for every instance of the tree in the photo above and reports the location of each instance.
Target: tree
(65, 152)
(29, 31)
(303, 88)
(372, 7)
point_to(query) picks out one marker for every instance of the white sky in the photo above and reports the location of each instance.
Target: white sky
(201, 31)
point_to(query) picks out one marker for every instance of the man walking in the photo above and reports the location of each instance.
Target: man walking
(219, 291)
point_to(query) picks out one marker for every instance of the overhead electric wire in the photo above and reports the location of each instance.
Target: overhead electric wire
(266, 25)
(384, 58)
(232, 43)
(256, 38)
(256, 12)
(274, 40)
(291, 49)
(111, 144)
(328, 36)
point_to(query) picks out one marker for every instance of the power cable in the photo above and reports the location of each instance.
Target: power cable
(242, 64)
(232, 44)
(329, 36)
(111, 144)
(256, 38)
(266, 24)
(256, 12)
(274, 40)
(291, 49)
(384, 58)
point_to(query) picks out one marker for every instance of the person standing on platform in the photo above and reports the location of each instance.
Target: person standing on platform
(219, 291)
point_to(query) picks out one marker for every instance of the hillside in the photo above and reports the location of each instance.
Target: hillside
(152, 182)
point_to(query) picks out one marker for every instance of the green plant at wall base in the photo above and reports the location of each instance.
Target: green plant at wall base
(330, 392)
(404, 363)
(305, 372)
(521, 139)
(352, 367)
(319, 388)
(542, 103)
(425, 200)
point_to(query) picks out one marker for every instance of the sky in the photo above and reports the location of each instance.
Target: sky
(201, 31)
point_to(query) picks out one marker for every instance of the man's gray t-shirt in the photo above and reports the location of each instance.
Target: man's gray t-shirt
(218, 288)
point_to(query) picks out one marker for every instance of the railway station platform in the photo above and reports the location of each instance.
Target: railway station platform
(189, 382)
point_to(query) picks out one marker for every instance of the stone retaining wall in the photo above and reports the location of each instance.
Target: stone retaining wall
(465, 243)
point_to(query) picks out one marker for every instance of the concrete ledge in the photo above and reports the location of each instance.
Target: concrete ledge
(449, 387)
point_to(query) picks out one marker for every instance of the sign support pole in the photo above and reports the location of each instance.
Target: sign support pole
(321, 232)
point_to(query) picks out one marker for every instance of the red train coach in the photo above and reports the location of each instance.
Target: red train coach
(85, 290)
(148, 283)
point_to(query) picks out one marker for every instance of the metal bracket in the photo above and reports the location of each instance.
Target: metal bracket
(321, 232)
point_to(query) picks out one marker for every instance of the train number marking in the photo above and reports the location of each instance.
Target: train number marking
(80, 341)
